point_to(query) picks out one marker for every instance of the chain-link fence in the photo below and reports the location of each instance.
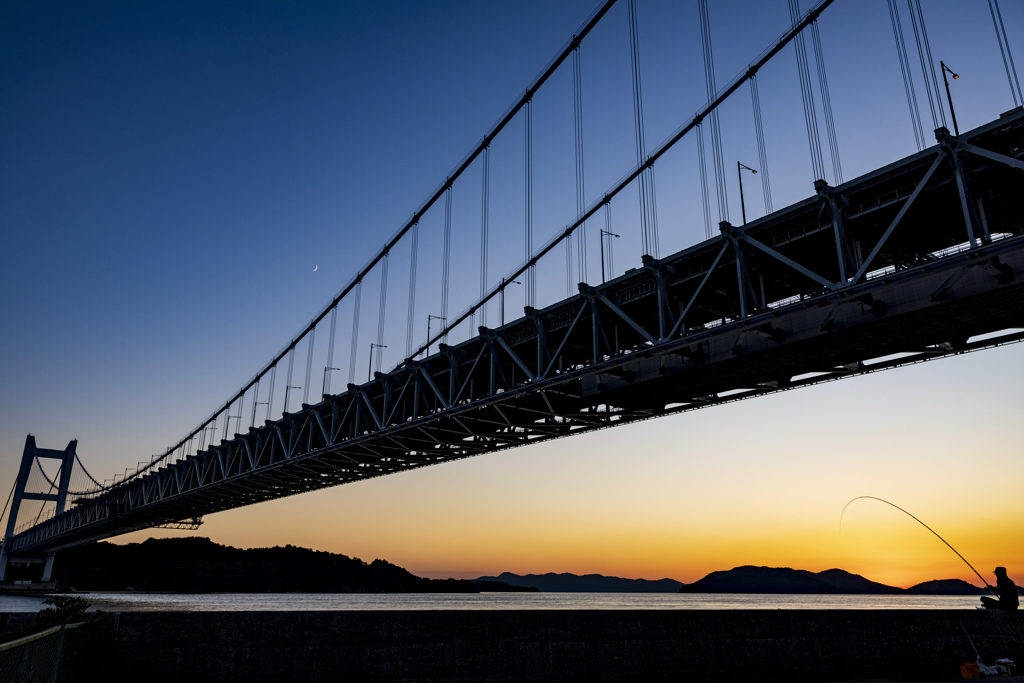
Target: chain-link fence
(36, 658)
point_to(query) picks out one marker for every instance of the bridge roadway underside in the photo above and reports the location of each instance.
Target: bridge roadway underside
(912, 262)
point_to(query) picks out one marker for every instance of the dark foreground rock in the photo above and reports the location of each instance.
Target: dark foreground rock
(552, 645)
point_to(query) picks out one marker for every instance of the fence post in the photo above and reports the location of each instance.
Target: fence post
(60, 650)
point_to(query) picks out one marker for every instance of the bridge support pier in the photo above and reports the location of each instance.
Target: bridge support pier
(48, 567)
(28, 458)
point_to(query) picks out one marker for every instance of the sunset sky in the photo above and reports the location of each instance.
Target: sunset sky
(172, 172)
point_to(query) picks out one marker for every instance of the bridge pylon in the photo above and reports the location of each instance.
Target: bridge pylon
(28, 459)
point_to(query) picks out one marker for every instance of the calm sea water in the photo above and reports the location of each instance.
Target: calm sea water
(282, 602)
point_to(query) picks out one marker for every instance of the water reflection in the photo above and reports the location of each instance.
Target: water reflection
(279, 602)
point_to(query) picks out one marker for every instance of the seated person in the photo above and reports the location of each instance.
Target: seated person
(1005, 589)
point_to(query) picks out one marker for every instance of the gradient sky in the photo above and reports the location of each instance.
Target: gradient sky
(171, 173)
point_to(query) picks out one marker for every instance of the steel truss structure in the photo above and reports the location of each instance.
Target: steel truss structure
(909, 263)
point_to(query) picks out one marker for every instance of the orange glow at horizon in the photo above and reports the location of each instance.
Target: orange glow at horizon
(898, 555)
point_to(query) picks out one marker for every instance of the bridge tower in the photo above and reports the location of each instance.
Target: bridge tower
(28, 458)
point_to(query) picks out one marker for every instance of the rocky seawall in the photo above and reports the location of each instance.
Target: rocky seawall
(554, 645)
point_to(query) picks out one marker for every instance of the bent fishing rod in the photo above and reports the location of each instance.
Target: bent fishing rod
(919, 522)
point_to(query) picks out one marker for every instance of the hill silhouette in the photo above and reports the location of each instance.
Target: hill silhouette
(195, 564)
(946, 587)
(588, 583)
(749, 579)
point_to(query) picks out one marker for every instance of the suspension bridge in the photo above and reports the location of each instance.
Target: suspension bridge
(917, 260)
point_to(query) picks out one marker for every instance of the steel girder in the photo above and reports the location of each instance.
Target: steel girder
(913, 259)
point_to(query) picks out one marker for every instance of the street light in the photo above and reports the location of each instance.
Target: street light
(503, 283)
(286, 390)
(323, 392)
(739, 174)
(227, 422)
(429, 319)
(610, 234)
(202, 437)
(257, 403)
(949, 97)
(372, 347)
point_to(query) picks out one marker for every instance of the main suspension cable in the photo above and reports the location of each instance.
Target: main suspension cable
(91, 478)
(532, 259)
(461, 168)
(9, 496)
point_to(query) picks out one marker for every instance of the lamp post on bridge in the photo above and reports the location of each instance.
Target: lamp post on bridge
(323, 391)
(254, 404)
(949, 98)
(609, 234)
(230, 417)
(369, 370)
(431, 318)
(739, 174)
(202, 440)
(286, 390)
(503, 283)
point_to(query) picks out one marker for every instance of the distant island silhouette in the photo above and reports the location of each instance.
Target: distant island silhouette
(749, 579)
(588, 583)
(198, 565)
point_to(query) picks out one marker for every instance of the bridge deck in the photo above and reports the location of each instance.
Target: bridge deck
(901, 261)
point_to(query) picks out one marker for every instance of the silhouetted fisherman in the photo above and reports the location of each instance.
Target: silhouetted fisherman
(1005, 589)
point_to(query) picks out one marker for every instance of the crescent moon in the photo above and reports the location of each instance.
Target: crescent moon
(314, 268)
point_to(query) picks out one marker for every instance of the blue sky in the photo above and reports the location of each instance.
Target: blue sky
(173, 172)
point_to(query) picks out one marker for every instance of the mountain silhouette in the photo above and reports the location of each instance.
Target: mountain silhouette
(749, 579)
(195, 564)
(588, 583)
(946, 587)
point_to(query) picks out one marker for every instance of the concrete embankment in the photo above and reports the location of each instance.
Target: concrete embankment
(556, 645)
